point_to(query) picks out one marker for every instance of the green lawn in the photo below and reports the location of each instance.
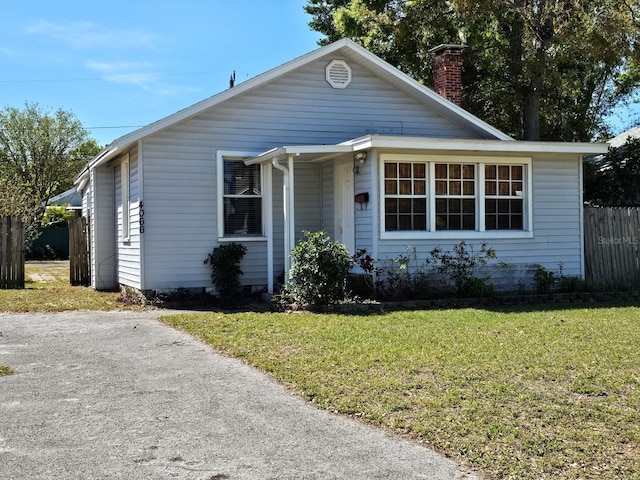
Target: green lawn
(47, 289)
(545, 393)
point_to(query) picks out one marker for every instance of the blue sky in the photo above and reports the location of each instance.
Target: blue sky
(119, 65)
(129, 63)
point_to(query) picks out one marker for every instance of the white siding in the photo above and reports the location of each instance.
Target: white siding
(103, 234)
(180, 165)
(128, 252)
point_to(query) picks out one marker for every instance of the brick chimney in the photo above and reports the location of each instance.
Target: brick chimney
(447, 71)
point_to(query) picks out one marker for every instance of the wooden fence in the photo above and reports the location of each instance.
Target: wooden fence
(11, 253)
(612, 246)
(79, 265)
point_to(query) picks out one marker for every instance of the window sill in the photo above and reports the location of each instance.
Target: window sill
(241, 238)
(456, 235)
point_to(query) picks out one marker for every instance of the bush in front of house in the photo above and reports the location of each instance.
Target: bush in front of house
(225, 270)
(319, 272)
(461, 267)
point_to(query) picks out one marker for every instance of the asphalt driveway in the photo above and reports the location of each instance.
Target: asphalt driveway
(120, 395)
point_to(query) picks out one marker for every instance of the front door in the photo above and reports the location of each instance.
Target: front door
(345, 215)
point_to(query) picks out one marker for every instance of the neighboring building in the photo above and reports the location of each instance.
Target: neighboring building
(337, 140)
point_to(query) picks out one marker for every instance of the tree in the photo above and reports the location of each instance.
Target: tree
(536, 69)
(614, 180)
(40, 152)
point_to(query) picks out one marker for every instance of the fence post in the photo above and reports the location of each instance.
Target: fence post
(79, 271)
(11, 253)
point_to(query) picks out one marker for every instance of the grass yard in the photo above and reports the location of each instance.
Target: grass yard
(544, 393)
(47, 289)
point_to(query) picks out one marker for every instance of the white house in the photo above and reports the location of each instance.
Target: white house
(337, 140)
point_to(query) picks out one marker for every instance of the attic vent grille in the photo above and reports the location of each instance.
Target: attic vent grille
(338, 74)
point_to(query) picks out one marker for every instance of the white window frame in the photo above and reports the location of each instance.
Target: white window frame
(221, 157)
(125, 193)
(480, 232)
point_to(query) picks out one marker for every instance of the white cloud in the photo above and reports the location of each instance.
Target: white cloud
(141, 75)
(89, 35)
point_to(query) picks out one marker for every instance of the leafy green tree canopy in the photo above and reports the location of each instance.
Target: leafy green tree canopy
(614, 179)
(536, 69)
(40, 152)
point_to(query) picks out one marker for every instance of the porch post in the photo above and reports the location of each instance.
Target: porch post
(292, 222)
(268, 210)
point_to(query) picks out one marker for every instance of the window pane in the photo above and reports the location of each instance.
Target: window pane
(503, 172)
(503, 206)
(420, 222)
(419, 205)
(455, 171)
(516, 172)
(441, 205)
(404, 222)
(240, 179)
(516, 206)
(390, 223)
(441, 187)
(404, 170)
(469, 206)
(455, 188)
(490, 188)
(503, 188)
(516, 188)
(419, 170)
(490, 206)
(419, 187)
(490, 222)
(516, 222)
(455, 205)
(390, 170)
(441, 170)
(490, 172)
(391, 205)
(503, 222)
(243, 216)
(404, 205)
(468, 171)
(405, 187)
(469, 222)
(390, 187)
(468, 188)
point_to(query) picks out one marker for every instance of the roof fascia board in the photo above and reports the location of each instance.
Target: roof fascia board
(422, 143)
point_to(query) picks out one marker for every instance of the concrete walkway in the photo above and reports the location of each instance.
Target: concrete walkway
(120, 395)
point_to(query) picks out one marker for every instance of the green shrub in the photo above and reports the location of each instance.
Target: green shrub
(545, 280)
(319, 272)
(461, 267)
(225, 270)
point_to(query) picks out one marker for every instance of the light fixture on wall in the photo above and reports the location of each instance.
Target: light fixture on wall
(359, 159)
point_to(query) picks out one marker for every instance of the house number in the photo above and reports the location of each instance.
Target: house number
(141, 216)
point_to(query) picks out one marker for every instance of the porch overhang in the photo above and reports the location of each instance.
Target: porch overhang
(304, 153)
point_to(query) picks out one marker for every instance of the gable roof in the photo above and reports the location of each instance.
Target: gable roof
(345, 47)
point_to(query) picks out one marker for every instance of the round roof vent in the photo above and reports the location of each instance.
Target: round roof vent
(338, 74)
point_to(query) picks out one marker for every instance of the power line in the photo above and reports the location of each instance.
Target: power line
(111, 77)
